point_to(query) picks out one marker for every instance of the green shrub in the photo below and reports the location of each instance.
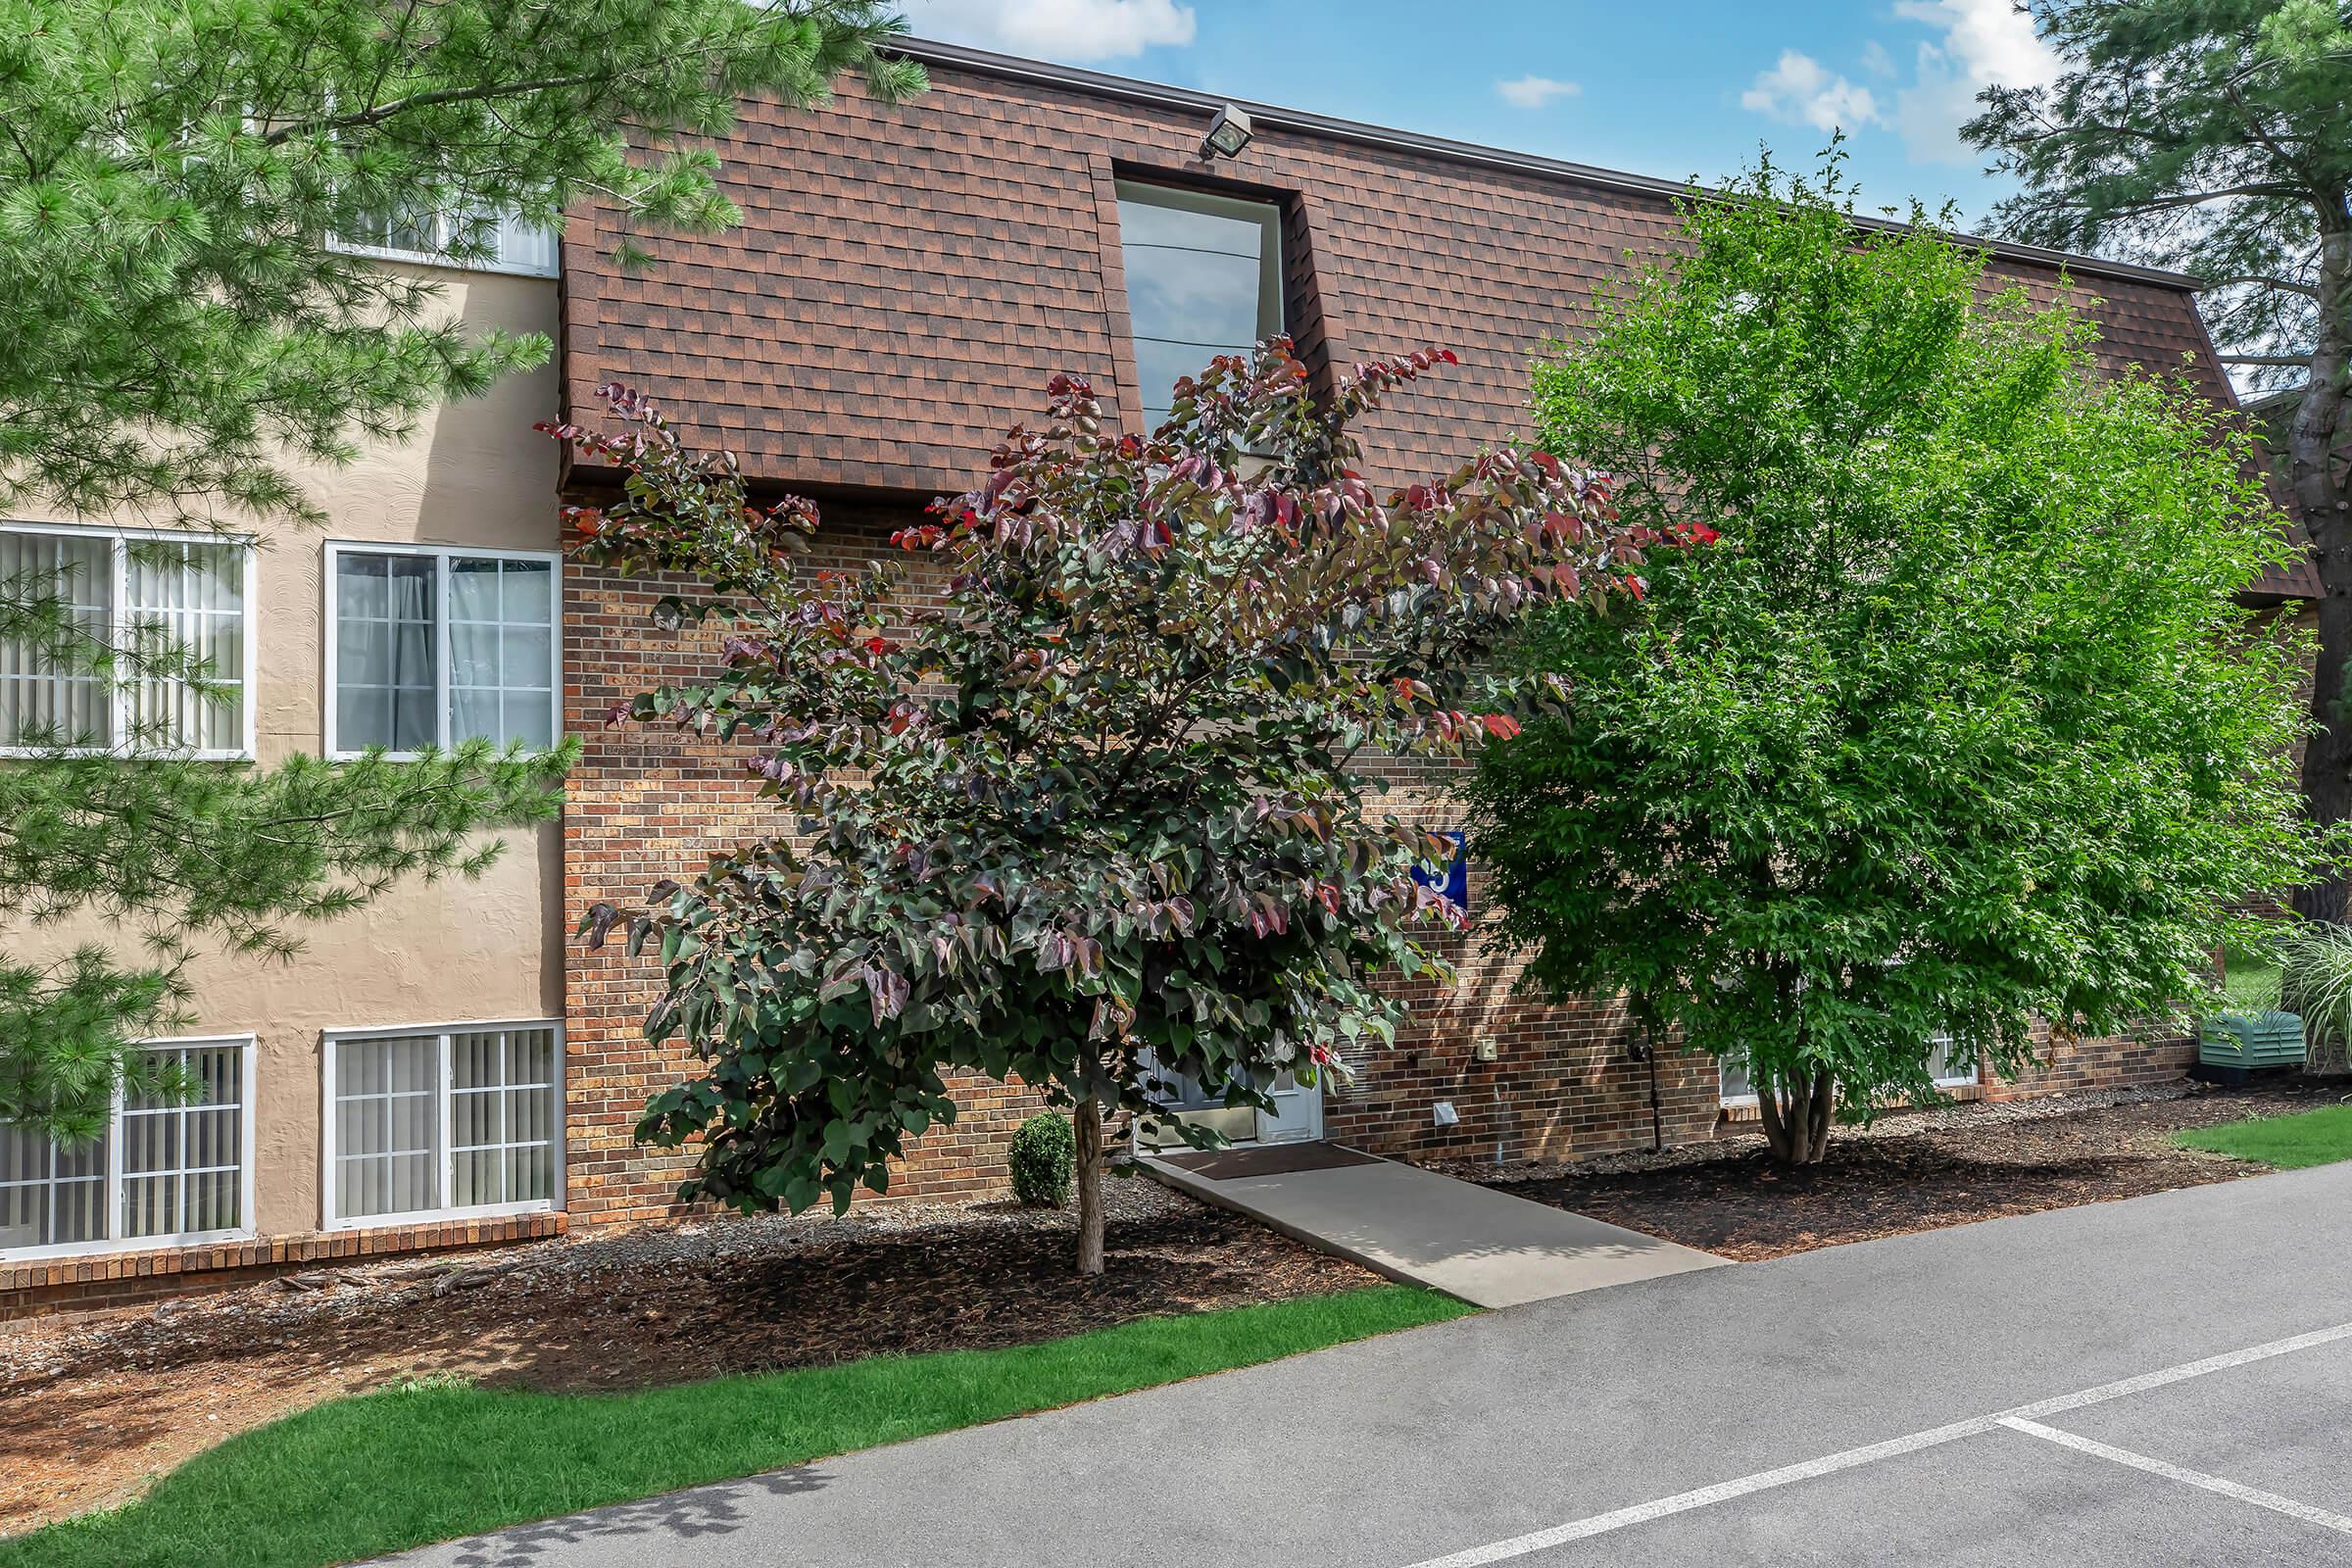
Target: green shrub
(1043, 1156)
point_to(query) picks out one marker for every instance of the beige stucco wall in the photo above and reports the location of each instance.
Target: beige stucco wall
(473, 473)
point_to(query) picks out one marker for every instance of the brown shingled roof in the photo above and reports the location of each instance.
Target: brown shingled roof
(905, 279)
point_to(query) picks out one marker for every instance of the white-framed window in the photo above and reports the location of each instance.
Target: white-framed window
(161, 1175)
(432, 645)
(1203, 278)
(124, 588)
(1734, 1086)
(442, 1121)
(1940, 1066)
(514, 246)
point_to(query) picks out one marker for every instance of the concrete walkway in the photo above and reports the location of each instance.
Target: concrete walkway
(1488, 1248)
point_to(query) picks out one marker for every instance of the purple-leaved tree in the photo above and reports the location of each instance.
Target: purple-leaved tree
(1095, 815)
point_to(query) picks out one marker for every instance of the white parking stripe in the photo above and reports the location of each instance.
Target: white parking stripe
(1847, 1458)
(2181, 1373)
(2194, 1478)
(1602, 1524)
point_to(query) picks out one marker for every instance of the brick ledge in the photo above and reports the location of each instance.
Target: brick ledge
(22, 1284)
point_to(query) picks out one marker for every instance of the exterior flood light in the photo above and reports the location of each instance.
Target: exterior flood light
(1228, 134)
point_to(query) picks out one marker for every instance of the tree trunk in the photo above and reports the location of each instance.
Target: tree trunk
(1086, 1124)
(1796, 1127)
(2326, 502)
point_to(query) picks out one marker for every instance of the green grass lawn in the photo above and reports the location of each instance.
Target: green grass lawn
(379, 1472)
(2250, 984)
(2290, 1143)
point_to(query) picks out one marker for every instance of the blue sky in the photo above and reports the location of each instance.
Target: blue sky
(1664, 87)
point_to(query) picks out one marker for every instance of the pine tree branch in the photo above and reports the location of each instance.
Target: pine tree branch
(2285, 284)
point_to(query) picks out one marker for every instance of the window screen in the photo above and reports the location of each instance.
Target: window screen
(161, 1172)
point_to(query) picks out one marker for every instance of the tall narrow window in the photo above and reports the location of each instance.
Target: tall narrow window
(463, 1120)
(179, 602)
(162, 1174)
(434, 646)
(1203, 278)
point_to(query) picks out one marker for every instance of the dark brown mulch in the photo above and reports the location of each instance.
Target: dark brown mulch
(1914, 1174)
(91, 1407)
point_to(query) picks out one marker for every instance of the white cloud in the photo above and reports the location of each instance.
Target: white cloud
(1533, 92)
(1071, 30)
(1981, 43)
(1876, 60)
(1801, 90)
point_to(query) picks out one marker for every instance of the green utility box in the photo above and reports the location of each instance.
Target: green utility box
(2252, 1040)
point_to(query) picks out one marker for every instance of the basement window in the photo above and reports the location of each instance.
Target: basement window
(1734, 1089)
(466, 1119)
(1203, 278)
(160, 1175)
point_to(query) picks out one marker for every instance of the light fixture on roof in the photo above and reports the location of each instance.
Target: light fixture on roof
(1228, 134)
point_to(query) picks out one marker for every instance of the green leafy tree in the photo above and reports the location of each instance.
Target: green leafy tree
(2216, 137)
(178, 326)
(1093, 817)
(1950, 722)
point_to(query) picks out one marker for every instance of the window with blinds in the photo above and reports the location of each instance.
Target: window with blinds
(163, 1173)
(177, 605)
(426, 236)
(414, 235)
(431, 647)
(428, 1122)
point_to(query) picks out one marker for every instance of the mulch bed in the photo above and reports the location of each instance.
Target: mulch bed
(1913, 1172)
(92, 1405)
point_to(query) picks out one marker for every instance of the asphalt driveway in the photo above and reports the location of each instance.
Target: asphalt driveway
(2166, 1379)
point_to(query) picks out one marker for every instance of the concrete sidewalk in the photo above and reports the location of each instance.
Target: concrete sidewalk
(1488, 1248)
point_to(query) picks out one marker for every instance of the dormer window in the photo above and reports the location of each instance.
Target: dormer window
(1203, 278)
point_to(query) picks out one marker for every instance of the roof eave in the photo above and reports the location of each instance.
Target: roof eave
(1275, 117)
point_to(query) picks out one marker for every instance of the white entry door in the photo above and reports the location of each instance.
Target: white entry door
(1298, 1113)
(1297, 1116)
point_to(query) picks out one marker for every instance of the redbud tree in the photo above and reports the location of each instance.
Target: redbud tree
(1097, 812)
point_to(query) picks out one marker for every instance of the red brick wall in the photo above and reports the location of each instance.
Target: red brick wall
(2072, 1062)
(647, 803)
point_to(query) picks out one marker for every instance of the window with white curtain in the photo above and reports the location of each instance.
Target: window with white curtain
(1203, 278)
(185, 596)
(412, 235)
(467, 1119)
(163, 1174)
(431, 647)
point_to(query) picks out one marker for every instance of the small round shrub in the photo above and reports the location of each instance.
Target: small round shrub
(1043, 1156)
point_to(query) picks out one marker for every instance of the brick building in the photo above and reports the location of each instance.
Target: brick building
(904, 282)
